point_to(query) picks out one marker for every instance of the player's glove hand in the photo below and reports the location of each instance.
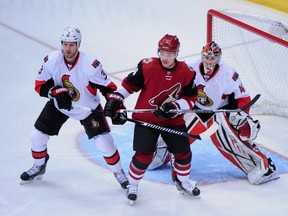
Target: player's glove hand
(163, 111)
(114, 102)
(120, 118)
(62, 96)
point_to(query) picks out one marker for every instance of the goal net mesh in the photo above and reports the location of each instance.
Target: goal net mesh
(262, 62)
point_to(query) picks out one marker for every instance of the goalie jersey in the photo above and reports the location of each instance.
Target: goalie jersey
(223, 89)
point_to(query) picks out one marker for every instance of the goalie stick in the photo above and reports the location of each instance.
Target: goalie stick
(212, 129)
(183, 111)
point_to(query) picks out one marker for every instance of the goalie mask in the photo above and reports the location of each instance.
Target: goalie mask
(211, 56)
(71, 34)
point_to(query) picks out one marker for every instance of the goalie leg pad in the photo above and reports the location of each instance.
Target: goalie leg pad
(262, 173)
(161, 155)
(244, 155)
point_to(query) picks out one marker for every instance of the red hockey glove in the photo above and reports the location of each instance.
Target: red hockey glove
(62, 96)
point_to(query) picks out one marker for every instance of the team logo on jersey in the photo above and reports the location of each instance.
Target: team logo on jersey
(202, 97)
(75, 94)
(166, 96)
(147, 60)
(94, 123)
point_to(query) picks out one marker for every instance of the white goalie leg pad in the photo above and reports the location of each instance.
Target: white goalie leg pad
(256, 174)
(161, 155)
(244, 155)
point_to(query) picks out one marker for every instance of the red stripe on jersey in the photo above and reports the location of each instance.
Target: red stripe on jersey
(92, 90)
(112, 85)
(38, 85)
(113, 159)
(39, 155)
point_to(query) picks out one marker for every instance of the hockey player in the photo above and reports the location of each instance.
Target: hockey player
(164, 83)
(219, 87)
(70, 77)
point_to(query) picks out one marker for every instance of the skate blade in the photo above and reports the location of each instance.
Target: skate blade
(35, 179)
(189, 195)
(131, 202)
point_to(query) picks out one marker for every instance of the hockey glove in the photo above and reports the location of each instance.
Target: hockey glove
(62, 96)
(247, 128)
(114, 102)
(120, 118)
(162, 112)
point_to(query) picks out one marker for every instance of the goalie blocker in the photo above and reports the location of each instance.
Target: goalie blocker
(234, 140)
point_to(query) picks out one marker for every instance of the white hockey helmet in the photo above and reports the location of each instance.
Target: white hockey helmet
(71, 34)
(211, 56)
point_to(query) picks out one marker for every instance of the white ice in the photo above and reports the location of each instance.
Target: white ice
(119, 33)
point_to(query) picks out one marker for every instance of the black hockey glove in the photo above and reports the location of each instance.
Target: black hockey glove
(114, 102)
(162, 112)
(120, 118)
(62, 96)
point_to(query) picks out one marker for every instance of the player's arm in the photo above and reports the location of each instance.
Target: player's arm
(98, 79)
(189, 94)
(135, 80)
(45, 86)
(44, 81)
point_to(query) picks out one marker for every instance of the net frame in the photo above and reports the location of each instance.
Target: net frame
(258, 55)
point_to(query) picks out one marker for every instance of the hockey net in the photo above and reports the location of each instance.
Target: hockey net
(257, 47)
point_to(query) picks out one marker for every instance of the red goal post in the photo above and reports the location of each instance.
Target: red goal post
(257, 47)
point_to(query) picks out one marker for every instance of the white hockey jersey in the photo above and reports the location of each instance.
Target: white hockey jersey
(213, 91)
(77, 79)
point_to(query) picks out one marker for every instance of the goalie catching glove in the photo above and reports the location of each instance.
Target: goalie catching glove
(114, 103)
(247, 128)
(62, 96)
(163, 111)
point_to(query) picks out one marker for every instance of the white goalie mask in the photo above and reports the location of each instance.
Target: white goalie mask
(211, 56)
(71, 34)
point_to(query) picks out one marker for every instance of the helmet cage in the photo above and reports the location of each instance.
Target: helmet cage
(71, 34)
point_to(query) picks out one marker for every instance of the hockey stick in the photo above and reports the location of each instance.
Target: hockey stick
(183, 111)
(212, 129)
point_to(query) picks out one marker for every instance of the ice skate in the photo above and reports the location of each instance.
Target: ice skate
(122, 179)
(35, 173)
(188, 187)
(132, 191)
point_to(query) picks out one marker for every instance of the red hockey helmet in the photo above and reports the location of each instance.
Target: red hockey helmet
(169, 43)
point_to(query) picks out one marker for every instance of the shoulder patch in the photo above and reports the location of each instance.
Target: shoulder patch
(95, 63)
(235, 76)
(147, 60)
